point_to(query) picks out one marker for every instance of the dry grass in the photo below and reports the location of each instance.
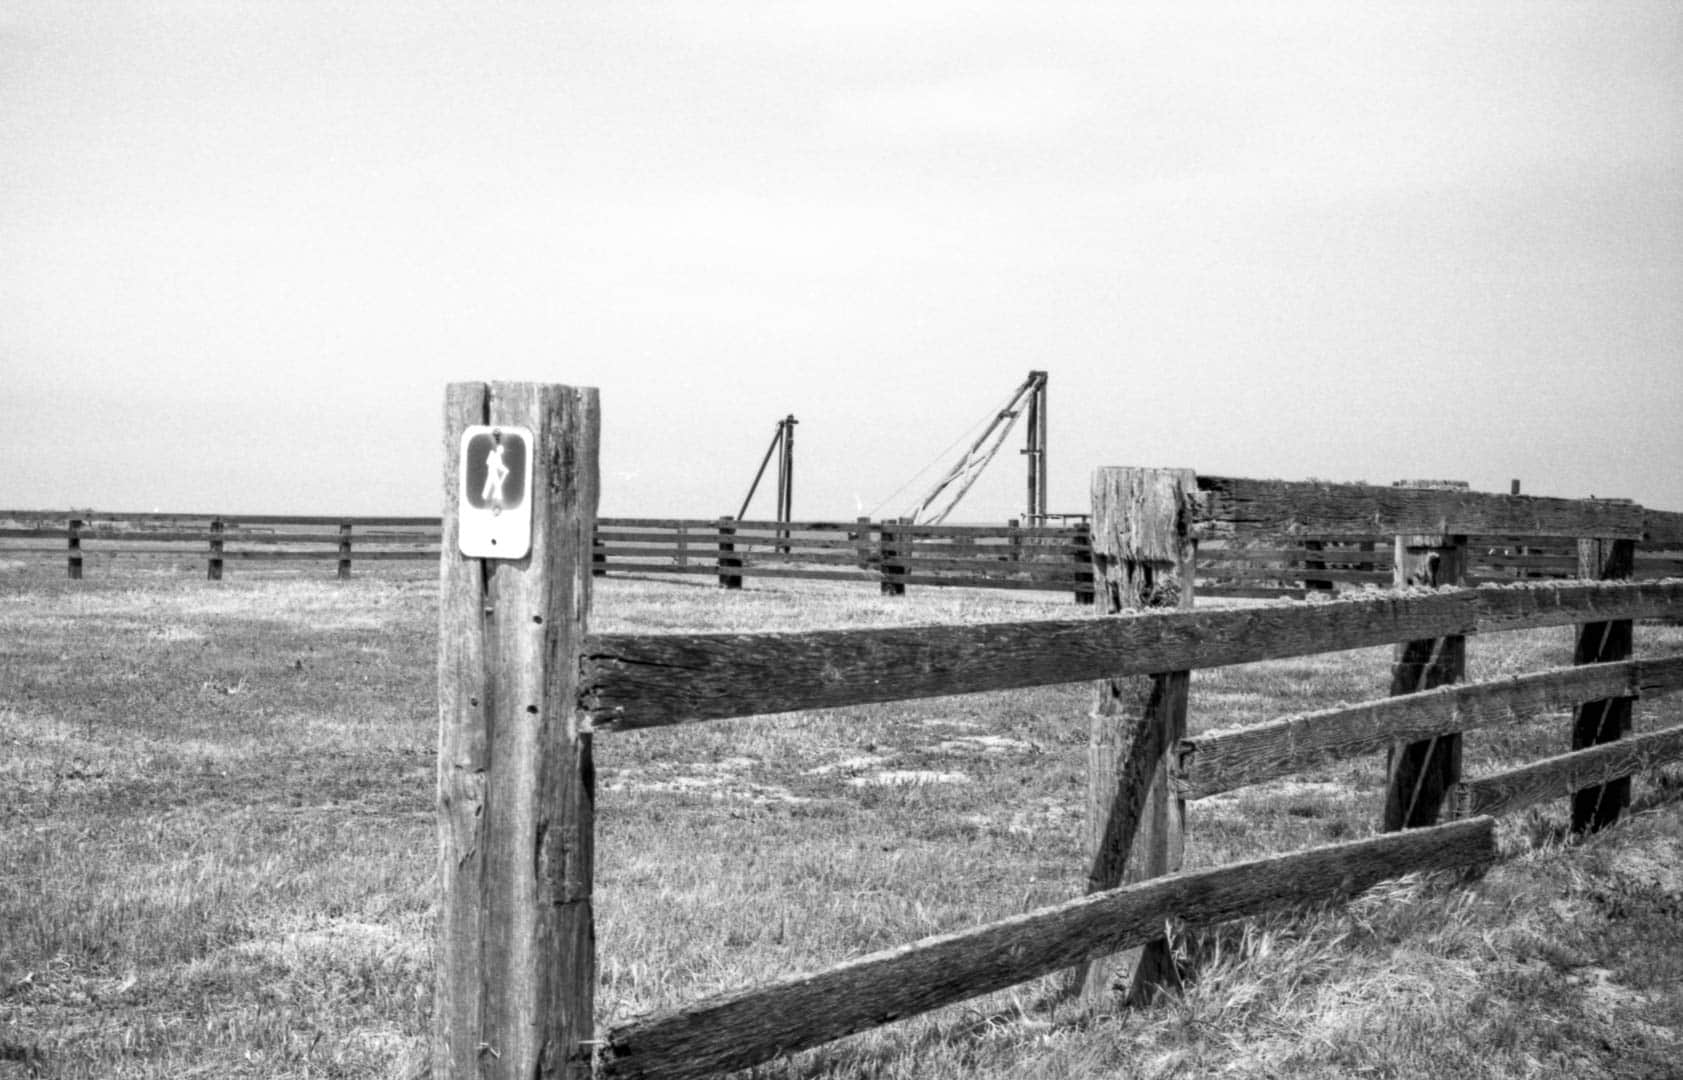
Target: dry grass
(218, 835)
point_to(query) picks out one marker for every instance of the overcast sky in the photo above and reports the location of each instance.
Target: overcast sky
(244, 246)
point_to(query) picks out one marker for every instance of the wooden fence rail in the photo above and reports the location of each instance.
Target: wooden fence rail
(736, 1030)
(517, 964)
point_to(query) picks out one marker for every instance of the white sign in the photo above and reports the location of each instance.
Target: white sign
(494, 508)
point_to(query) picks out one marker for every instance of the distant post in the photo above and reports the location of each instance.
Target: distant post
(728, 561)
(1084, 564)
(1143, 557)
(1421, 773)
(888, 551)
(1597, 722)
(344, 551)
(516, 955)
(213, 565)
(73, 541)
(1315, 559)
(863, 548)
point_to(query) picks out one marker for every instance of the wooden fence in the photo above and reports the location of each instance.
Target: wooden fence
(887, 554)
(516, 958)
(890, 555)
(216, 540)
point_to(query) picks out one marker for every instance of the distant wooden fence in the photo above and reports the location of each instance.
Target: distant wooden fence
(217, 540)
(517, 963)
(890, 555)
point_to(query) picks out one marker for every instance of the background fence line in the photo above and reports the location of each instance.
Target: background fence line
(892, 555)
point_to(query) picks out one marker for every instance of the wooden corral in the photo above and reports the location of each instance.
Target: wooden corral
(525, 687)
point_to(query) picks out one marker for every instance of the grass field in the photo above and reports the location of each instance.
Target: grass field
(216, 856)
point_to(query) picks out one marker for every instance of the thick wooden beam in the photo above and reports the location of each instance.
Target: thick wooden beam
(1567, 774)
(1143, 558)
(1597, 722)
(1237, 507)
(645, 680)
(1218, 761)
(736, 1030)
(516, 969)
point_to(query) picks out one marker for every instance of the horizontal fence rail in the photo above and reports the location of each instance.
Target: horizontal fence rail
(736, 1030)
(650, 680)
(1219, 761)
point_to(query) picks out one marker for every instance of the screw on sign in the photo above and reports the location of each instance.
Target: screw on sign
(495, 513)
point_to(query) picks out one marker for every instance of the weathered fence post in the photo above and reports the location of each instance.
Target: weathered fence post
(1421, 773)
(516, 963)
(1143, 556)
(862, 546)
(727, 561)
(73, 541)
(213, 565)
(1596, 722)
(344, 551)
(1014, 541)
(888, 550)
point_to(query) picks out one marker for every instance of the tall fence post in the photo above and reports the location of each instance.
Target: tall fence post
(1596, 722)
(888, 550)
(727, 559)
(213, 564)
(344, 551)
(516, 956)
(1422, 773)
(73, 542)
(1143, 557)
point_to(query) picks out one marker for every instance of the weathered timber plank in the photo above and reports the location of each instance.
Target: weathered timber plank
(1239, 507)
(711, 569)
(738, 1029)
(1563, 776)
(635, 680)
(1662, 528)
(1335, 556)
(1038, 583)
(1220, 761)
(1210, 590)
(1241, 572)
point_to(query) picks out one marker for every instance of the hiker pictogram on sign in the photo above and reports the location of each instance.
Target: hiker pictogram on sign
(496, 514)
